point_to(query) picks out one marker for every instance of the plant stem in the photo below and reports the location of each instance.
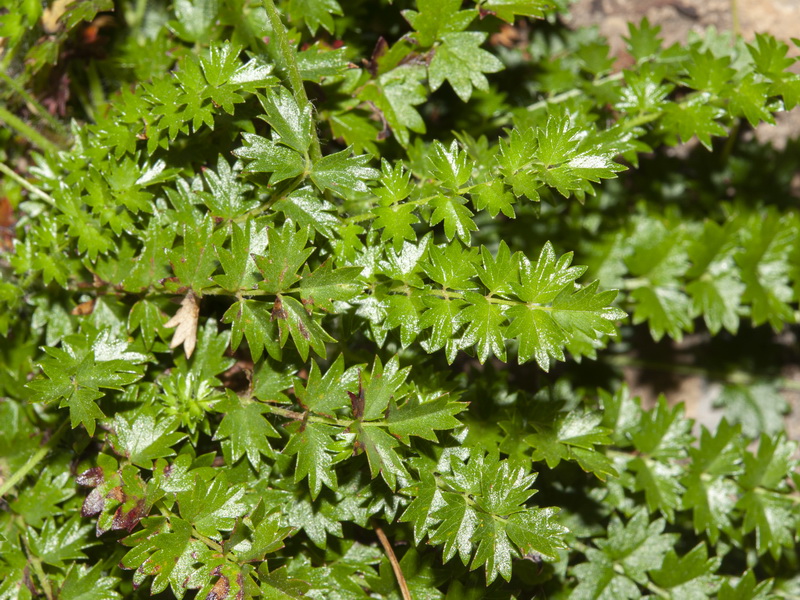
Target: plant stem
(398, 572)
(27, 185)
(26, 131)
(292, 71)
(33, 460)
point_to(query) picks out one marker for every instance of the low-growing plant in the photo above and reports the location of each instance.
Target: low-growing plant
(289, 305)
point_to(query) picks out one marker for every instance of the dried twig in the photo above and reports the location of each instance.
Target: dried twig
(398, 572)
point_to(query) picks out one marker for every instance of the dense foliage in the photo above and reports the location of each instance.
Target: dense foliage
(289, 305)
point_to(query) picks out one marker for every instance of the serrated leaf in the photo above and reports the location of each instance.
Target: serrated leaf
(571, 433)
(326, 285)
(306, 332)
(379, 447)
(396, 93)
(456, 216)
(76, 375)
(266, 156)
(315, 449)
(341, 172)
(396, 222)
(485, 328)
(759, 407)
(691, 576)
(463, 516)
(422, 419)
(493, 197)
(213, 507)
(324, 394)
(462, 62)
(84, 583)
(291, 124)
(54, 545)
(245, 429)
(315, 13)
(438, 17)
(253, 319)
(145, 438)
(286, 254)
(195, 260)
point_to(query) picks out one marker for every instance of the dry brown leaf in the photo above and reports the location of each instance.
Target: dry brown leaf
(185, 321)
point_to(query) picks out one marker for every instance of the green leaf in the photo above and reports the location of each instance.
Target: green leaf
(306, 333)
(245, 429)
(195, 18)
(690, 576)
(750, 101)
(381, 386)
(341, 173)
(169, 554)
(396, 222)
(212, 507)
(746, 589)
(451, 266)
(84, 10)
(444, 318)
(422, 418)
(326, 285)
(695, 117)
(462, 511)
(396, 93)
(553, 314)
(253, 319)
(379, 447)
(145, 438)
(623, 559)
(452, 166)
(84, 583)
(286, 253)
(574, 436)
(759, 408)
(457, 218)
(485, 328)
(315, 13)
(460, 61)
(266, 156)
(438, 17)
(709, 493)
(494, 197)
(54, 545)
(315, 449)
(763, 263)
(291, 125)
(508, 9)
(318, 62)
(324, 394)
(77, 371)
(228, 194)
(240, 269)
(195, 261)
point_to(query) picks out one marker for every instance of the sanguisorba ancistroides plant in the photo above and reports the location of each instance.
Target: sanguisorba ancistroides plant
(282, 284)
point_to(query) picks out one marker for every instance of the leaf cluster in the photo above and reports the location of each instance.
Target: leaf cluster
(289, 307)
